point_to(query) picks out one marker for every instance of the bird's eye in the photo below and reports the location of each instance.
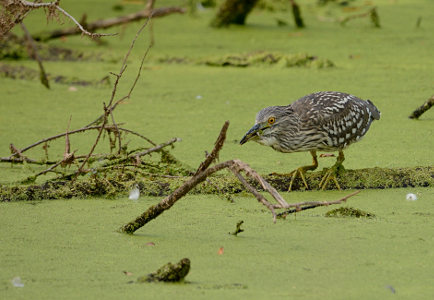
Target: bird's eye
(271, 120)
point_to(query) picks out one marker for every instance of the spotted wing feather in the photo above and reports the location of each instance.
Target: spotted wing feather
(333, 120)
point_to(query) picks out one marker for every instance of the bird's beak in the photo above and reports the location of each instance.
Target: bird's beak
(253, 132)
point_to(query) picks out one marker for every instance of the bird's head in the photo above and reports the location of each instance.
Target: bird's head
(269, 122)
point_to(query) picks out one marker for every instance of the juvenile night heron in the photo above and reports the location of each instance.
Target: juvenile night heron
(323, 121)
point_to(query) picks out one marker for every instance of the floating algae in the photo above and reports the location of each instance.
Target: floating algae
(348, 212)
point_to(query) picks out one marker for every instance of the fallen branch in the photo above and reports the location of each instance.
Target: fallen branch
(16, 10)
(107, 23)
(236, 166)
(422, 109)
(155, 210)
(108, 128)
(213, 156)
(312, 204)
(372, 13)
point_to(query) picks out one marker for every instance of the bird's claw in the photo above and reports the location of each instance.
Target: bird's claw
(294, 173)
(330, 175)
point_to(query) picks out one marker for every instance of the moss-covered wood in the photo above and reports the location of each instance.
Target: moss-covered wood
(156, 185)
(423, 108)
(169, 272)
(233, 12)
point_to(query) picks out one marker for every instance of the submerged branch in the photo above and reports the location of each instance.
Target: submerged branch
(422, 109)
(107, 23)
(312, 204)
(236, 166)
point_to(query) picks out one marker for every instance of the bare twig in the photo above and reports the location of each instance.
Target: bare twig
(55, 5)
(422, 109)
(213, 156)
(240, 166)
(50, 169)
(312, 204)
(107, 23)
(372, 13)
(236, 166)
(68, 157)
(80, 169)
(258, 196)
(112, 105)
(107, 128)
(157, 148)
(34, 54)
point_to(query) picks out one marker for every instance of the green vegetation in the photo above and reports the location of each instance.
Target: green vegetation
(348, 212)
(71, 249)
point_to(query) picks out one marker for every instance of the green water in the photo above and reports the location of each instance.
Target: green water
(70, 248)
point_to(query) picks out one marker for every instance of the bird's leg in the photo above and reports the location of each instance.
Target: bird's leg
(331, 173)
(303, 170)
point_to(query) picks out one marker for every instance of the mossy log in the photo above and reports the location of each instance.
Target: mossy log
(169, 272)
(372, 178)
(233, 12)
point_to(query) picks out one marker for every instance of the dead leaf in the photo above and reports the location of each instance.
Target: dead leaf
(221, 251)
(150, 244)
(326, 155)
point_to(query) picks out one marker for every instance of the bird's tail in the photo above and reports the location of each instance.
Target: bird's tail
(374, 110)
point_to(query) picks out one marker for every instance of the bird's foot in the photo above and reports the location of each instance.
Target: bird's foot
(330, 175)
(300, 171)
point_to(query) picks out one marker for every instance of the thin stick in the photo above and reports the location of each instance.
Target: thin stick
(80, 169)
(258, 196)
(157, 148)
(118, 76)
(55, 4)
(371, 12)
(210, 158)
(240, 166)
(107, 23)
(117, 132)
(82, 130)
(312, 204)
(34, 54)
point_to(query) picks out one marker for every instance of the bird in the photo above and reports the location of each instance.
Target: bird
(322, 121)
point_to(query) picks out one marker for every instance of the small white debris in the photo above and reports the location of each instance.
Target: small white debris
(134, 193)
(72, 88)
(16, 282)
(198, 97)
(411, 197)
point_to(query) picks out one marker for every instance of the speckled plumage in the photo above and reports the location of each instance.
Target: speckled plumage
(326, 121)
(323, 121)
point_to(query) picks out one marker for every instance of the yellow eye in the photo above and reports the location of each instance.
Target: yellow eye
(271, 120)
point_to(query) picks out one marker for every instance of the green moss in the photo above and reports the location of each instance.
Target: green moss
(348, 212)
(169, 272)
